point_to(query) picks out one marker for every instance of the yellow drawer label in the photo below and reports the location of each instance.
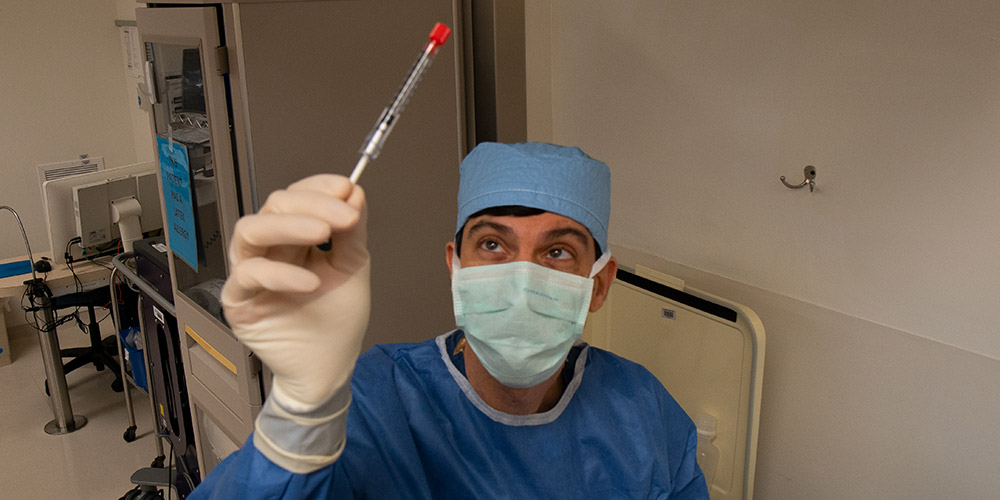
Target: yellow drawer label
(211, 350)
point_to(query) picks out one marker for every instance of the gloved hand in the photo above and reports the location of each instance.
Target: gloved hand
(302, 310)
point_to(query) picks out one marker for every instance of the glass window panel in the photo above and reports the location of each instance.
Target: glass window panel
(190, 192)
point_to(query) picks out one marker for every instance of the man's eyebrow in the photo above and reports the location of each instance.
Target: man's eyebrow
(483, 225)
(569, 231)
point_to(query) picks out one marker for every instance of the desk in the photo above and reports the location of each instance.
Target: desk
(60, 282)
(60, 279)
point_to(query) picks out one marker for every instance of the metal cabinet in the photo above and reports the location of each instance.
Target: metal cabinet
(249, 96)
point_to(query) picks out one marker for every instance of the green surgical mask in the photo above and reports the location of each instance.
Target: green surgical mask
(520, 318)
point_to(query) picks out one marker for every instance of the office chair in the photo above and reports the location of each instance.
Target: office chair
(101, 352)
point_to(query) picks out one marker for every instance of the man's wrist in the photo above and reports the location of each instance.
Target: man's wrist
(302, 438)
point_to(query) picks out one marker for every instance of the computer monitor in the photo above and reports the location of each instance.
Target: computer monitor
(61, 213)
(110, 209)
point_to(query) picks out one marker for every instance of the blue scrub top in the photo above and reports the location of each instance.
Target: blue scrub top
(417, 430)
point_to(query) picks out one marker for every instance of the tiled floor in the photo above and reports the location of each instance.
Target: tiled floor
(92, 463)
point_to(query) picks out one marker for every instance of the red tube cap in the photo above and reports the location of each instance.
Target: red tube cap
(440, 34)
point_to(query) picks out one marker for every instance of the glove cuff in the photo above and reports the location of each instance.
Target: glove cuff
(300, 438)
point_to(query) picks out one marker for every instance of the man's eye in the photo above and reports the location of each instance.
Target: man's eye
(559, 253)
(491, 245)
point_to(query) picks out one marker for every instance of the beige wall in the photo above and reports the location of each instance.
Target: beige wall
(853, 410)
(878, 290)
(65, 92)
(138, 114)
(699, 107)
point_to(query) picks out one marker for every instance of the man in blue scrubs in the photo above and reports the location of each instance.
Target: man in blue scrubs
(509, 405)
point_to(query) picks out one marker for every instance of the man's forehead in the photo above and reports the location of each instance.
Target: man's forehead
(547, 223)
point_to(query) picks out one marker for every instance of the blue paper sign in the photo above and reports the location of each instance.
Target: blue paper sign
(176, 174)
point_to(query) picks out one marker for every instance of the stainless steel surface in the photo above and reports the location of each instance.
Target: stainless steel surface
(130, 411)
(122, 268)
(31, 258)
(64, 422)
(54, 428)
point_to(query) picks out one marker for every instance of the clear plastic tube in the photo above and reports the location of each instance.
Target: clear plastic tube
(390, 115)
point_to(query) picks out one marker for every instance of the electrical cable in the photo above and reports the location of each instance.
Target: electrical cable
(91, 258)
(33, 309)
(78, 288)
(79, 284)
(34, 279)
(68, 252)
(69, 263)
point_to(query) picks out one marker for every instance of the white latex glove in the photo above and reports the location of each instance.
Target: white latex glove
(302, 310)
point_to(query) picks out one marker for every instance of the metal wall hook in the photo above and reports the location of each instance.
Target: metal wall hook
(810, 174)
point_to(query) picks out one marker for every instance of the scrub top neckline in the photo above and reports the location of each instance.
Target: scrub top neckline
(507, 418)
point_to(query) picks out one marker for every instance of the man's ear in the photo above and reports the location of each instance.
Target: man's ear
(449, 249)
(602, 284)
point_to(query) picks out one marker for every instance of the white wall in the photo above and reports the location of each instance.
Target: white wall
(863, 285)
(701, 106)
(65, 92)
(852, 410)
(138, 110)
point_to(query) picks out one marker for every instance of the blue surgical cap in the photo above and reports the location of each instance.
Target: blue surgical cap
(557, 179)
